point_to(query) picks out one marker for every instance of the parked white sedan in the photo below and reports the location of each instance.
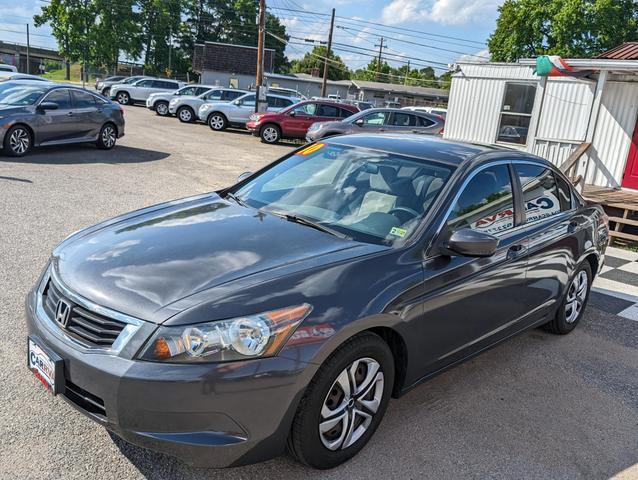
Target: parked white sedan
(127, 94)
(160, 101)
(219, 116)
(186, 107)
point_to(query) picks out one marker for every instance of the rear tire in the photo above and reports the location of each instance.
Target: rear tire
(270, 133)
(186, 114)
(332, 423)
(217, 121)
(123, 98)
(18, 141)
(106, 91)
(161, 109)
(572, 308)
(107, 138)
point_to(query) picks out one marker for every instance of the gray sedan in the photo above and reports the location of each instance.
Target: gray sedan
(388, 120)
(39, 113)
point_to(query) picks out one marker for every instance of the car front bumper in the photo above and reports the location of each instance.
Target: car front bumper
(208, 415)
(172, 109)
(253, 127)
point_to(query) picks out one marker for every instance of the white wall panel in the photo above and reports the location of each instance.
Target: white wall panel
(565, 110)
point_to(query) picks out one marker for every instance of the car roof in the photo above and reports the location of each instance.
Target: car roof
(425, 147)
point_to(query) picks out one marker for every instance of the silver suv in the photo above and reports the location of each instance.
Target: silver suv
(160, 101)
(186, 107)
(139, 91)
(219, 116)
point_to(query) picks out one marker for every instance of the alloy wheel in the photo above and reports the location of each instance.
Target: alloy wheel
(185, 115)
(161, 109)
(216, 122)
(576, 296)
(351, 403)
(108, 136)
(19, 141)
(270, 134)
(122, 98)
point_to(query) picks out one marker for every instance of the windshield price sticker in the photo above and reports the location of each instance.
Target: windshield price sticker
(398, 232)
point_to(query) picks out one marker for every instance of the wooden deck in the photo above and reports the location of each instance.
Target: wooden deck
(622, 208)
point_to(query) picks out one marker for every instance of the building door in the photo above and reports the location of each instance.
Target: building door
(630, 177)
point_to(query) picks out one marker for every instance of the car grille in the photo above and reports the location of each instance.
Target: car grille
(83, 399)
(90, 328)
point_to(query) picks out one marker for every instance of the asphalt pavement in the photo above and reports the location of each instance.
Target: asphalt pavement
(539, 406)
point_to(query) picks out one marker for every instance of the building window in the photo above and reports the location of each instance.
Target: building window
(516, 113)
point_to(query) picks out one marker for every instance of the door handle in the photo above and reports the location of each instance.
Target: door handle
(515, 251)
(70, 114)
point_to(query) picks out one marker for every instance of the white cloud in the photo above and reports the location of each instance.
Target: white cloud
(447, 12)
(480, 56)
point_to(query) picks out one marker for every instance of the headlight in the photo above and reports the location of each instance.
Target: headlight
(254, 117)
(260, 335)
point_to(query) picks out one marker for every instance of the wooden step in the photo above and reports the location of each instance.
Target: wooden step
(624, 206)
(626, 236)
(625, 221)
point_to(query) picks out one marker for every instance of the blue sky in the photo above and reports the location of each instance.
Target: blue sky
(470, 22)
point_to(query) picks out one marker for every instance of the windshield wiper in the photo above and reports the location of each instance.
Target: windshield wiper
(234, 197)
(308, 223)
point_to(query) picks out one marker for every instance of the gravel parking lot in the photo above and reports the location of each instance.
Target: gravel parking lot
(539, 406)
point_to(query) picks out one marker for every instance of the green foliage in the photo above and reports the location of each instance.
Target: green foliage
(570, 28)
(314, 60)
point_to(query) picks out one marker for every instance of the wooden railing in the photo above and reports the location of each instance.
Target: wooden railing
(569, 166)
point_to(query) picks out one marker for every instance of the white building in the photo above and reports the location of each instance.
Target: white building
(507, 104)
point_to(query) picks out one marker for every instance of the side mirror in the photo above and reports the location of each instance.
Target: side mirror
(48, 106)
(470, 243)
(292, 113)
(244, 176)
(359, 122)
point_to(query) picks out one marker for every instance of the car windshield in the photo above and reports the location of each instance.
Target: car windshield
(369, 196)
(13, 94)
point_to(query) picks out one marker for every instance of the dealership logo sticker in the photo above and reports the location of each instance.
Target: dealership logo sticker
(62, 313)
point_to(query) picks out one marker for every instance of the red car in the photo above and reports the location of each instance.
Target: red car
(294, 121)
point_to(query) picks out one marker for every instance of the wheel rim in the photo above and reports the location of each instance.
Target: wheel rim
(108, 136)
(351, 403)
(576, 296)
(162, 108)
(216, 122)
(122, 98)
(185, 115)
(270, 134)
(19, 141)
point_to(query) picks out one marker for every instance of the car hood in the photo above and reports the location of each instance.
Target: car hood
(6, 110)
(339, 125)
(141, 263)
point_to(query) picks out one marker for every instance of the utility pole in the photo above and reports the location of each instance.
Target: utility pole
(170, 50)
(379, 59)
(407, 72)
(28, 51)
(324, 80)
(259, 79)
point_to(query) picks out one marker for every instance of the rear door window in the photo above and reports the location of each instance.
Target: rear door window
(82, 99)
(540, 192)
(328, 111)
(486, 204)
(403, 120)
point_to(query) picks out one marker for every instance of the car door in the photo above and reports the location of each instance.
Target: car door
(298, 120)
(472, 302)
(242, 109)
(142, 89)
(373, 122)
(60, 124)
(327, 113)
(402, 122)
(88, 114)
(555, 233)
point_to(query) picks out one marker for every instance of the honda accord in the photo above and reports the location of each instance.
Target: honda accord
(286, 310)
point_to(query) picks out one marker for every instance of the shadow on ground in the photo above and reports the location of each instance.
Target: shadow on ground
(87, 153)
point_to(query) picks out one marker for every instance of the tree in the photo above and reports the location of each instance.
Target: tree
(369, 73)
(574, 28)
(312, 62)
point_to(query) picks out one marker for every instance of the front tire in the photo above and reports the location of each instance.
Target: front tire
(161, 109)
(107, 138)
(123, 98)
(186, 114)
(18, 141)
(270, 133)
(217, 121)
(572, 308)
(344, 403)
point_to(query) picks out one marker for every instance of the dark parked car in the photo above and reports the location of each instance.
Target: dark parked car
(287, 309)
(381, 120)
(294, 121)
(41, 113)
